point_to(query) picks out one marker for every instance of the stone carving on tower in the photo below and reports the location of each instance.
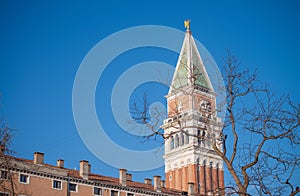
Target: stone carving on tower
(192, 126)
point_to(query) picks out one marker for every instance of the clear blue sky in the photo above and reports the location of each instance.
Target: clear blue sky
(43, 44)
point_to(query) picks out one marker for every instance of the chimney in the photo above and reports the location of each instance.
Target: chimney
(157, 183)
(122, 177)
(191, 191)
(84, 169)
(148, 181)
(38, 158)
(60, 163)
(162, 184)
(129, 177)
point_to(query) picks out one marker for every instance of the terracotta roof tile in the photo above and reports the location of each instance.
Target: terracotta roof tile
(104, 179)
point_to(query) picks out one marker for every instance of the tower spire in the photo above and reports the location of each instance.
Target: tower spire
(190, 70)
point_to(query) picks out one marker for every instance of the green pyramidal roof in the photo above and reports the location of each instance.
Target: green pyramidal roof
(190, 70)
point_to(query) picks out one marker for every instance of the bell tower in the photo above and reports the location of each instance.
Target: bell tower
(192, 125)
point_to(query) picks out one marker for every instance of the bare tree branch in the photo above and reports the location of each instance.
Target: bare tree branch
(259, 140)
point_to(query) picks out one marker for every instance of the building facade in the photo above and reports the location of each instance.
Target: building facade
(192, 125)
(22, 177)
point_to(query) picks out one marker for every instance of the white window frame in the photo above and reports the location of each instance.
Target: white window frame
(28, 178)
(72, 190)
(60, 185)
(3, 170)
(97, 188)
(115, 190)
(5, 193)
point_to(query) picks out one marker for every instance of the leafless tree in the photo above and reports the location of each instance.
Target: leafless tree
(6, 176)
(259, 141)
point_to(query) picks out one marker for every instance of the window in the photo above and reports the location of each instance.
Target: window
(24, 178)
(114, 193)
(182, 139)
(172, 142)
(4, 174)
(130, 194)
(72, 187)
(56, 184)
(199, 137)
(208, 144)
(210, 173)
(187, 137)
(176, 141)
(204, 173)
(218, 177)
(4, 194)
(97, 191)
(170, 177)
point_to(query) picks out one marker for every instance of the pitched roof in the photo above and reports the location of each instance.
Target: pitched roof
(75, 174)
(190, 70)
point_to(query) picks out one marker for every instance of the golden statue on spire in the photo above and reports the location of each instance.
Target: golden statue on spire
(187, 24)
